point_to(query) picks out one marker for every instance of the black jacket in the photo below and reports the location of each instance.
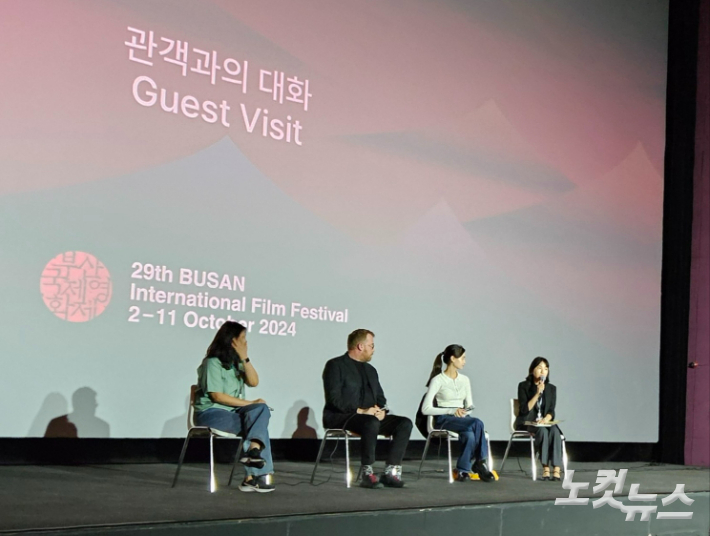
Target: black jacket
(527, 390)
(342, 385)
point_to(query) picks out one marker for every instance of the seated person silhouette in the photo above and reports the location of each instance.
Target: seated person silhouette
(82, 421)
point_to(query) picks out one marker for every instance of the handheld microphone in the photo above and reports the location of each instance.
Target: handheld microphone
(539, 400)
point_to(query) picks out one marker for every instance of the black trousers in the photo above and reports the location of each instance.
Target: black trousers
(548, 442)
(368, 428)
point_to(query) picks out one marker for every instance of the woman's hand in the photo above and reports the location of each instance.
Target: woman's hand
(460, 412)
(540, 388)
(547, 419)
(240, 346)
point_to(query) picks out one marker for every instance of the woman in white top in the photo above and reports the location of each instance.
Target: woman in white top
(449, 399)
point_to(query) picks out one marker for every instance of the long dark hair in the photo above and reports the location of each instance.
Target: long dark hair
(444, 358)
(533, 366)
(221, 346)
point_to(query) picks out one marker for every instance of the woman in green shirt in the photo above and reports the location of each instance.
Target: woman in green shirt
(220, 403)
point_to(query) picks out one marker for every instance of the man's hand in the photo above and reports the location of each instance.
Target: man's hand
(258, 401)
(375, 411)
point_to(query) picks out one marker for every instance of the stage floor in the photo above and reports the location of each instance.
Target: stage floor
(53, 497)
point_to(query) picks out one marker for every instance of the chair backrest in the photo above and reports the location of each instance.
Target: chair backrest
(429, 423)
(514, 407)
(191, 408)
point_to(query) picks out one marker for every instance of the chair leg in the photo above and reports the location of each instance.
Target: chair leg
(451, 474)
(505, 456)
(236, 460)
(182, 457)
(532, 458)
(490, 453)
(348, 476)
(426, 449)
(564, 455)
(213, 482)
(320, 453)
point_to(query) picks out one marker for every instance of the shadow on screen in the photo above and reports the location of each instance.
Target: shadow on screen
(54, 405)
(82, 421)
(177, 426)
(300, 422)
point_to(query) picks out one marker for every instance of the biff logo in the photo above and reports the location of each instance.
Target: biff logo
(76, 286)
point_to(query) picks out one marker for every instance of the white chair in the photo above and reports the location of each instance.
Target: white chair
(448, 435)
(204, 431)
(338, 433)
(524, 435)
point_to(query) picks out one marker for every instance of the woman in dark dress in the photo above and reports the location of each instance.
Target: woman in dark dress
(537, 398)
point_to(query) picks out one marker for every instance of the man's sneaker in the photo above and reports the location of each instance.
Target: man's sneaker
(370, 481)
(252, 458)
(391, 480)
(483, 472)
(258, 483)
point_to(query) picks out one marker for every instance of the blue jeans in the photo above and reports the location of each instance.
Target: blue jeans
(251, 421)
(471, 436)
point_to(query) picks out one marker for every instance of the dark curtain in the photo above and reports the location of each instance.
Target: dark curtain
(697, 429)
(677, 226)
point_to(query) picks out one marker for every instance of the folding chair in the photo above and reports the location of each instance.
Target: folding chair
(204, 431)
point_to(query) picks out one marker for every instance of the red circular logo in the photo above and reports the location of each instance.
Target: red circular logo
(76, 286)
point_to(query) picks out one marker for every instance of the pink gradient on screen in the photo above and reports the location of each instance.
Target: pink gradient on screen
(570, 104)
(384, 70)
(590, 292)
(627, 199)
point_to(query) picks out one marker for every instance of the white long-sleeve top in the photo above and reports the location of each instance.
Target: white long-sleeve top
(450, 395)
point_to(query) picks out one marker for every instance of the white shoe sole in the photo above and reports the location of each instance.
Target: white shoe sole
(249, 489)
(256, 463)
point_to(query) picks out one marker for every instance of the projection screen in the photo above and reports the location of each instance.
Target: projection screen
(482, 173)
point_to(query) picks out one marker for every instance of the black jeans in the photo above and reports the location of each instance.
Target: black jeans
(368, 428)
